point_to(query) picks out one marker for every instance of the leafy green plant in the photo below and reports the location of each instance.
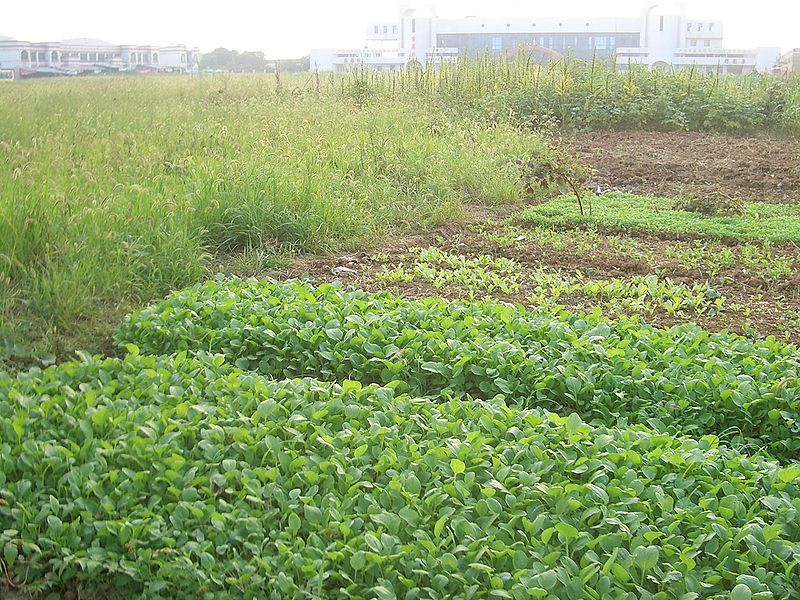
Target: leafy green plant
(482, 273)
(706, 258)
(753, 259)
(644, 293)
(182, 477)
(681, 380)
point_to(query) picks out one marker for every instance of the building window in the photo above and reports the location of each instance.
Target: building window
(601, 43)
(376, 29)
(708, 43)
(688, 27)
(394, 28)
(711, 27)
(699, 27)
(693, 43)
(385, 29)
(413, 26)
(497, 43)
(661, 24)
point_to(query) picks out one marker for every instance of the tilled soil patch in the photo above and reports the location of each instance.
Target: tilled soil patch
(763, 169)
(752, 306)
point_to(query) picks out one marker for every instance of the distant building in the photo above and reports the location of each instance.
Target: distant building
(663, 36)
(74, 57)
(790, 62)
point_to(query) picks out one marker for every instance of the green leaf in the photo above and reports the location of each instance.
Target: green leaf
(567, 531)
(439, 526)
(359, 560)
(789, 474)
(436, 367)
(457, 466)
(646, 557)
(741, 592)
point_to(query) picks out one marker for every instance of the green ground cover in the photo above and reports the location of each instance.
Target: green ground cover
(264, 439)
(627, 212)
(184, 477)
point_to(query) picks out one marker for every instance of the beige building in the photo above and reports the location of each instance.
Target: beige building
(82, 56)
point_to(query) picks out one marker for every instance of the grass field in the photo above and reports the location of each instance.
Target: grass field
(116, 191)
(353, 337)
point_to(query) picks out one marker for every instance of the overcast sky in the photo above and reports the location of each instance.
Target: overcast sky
(290, 28)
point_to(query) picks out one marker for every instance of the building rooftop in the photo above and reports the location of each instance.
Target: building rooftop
(87, 42)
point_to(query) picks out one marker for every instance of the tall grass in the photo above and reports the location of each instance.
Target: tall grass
(580, 96)
(114, 191)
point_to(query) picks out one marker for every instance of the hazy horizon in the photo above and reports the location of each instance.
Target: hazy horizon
(285, 30)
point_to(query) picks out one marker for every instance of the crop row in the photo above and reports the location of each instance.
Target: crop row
(179, 477)
(484, 274)
(682, 380)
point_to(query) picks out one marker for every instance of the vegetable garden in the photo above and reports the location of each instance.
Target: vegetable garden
(384, 336)
(419, 456)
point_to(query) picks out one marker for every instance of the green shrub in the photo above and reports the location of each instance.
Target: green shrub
(682, 380)
(179, 477)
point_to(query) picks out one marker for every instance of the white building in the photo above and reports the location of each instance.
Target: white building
(73, 57)
(662, 36)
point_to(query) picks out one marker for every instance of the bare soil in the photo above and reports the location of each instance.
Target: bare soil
(765, 169)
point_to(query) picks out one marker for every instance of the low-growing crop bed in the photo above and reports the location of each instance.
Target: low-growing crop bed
(626, 212)
(681, 380)
(184, 477)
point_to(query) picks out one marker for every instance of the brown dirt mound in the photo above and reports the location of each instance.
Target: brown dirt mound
(763, 169)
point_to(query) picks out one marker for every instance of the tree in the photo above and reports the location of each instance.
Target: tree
(222, 59)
